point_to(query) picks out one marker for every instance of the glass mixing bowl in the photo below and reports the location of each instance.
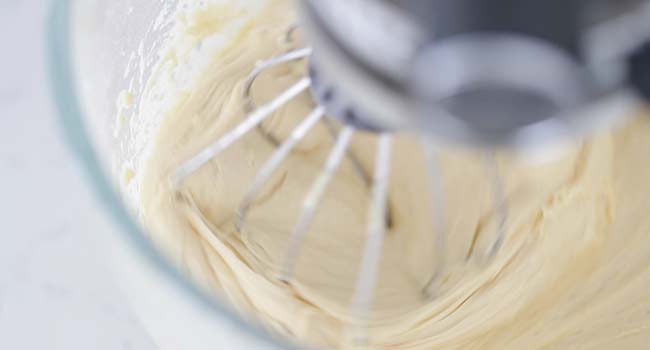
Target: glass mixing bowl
(97, 49)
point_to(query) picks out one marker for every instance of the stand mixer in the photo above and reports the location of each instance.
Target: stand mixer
(522, 75)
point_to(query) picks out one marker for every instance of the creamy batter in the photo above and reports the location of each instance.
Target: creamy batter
(574, 271)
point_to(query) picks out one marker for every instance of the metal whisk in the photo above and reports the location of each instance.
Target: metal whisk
(378, 181)
(483, 78)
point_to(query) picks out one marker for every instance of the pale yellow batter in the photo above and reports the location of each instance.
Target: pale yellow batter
(574, 272)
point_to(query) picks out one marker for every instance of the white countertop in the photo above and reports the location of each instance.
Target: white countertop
(56, 291)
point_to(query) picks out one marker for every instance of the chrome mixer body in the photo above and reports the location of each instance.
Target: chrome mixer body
(523, 74)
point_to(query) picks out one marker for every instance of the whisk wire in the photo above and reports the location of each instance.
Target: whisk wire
(499, 201)
(252, 120)
(439, 216)
(356, 163)
(264, 66)
(313, 199)
(369, 270)
(276, 159)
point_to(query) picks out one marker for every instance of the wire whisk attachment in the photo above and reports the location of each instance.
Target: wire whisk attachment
(378, 183)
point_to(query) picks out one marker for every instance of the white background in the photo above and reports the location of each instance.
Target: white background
(56, 288)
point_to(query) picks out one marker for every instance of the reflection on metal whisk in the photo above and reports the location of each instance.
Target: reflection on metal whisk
(379, 208)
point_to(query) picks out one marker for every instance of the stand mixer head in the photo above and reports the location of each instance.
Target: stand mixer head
(505, 73)
(519, 74)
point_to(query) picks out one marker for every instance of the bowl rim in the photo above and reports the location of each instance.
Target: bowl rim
(63, 91)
